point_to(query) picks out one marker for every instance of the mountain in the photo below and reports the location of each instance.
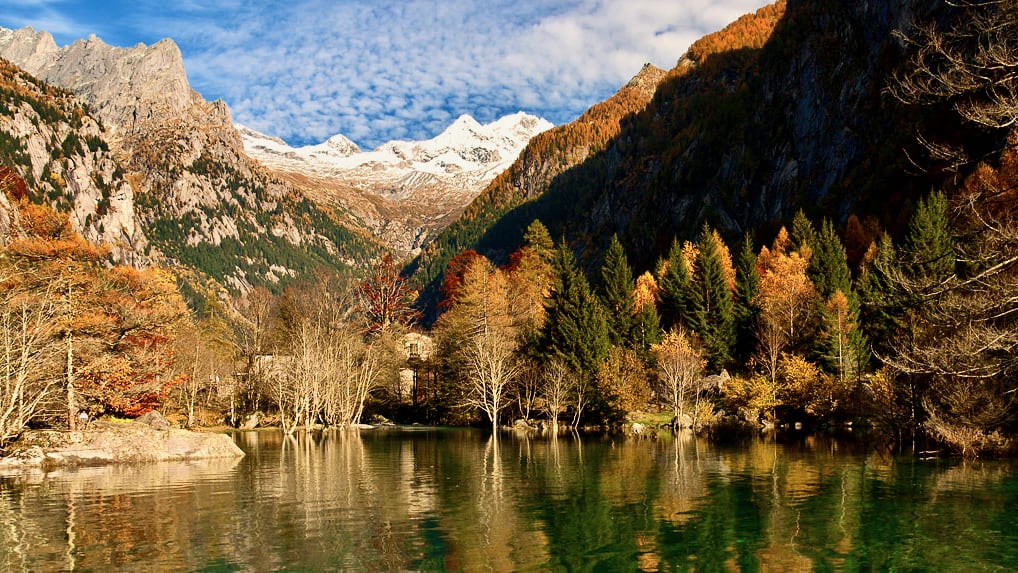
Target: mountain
(52, 143)
(403, 191)
(783, 109)
(548, 155)
(201, 201)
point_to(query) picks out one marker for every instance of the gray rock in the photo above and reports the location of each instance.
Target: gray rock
(154, 420)
(251, 422)
(116, 442)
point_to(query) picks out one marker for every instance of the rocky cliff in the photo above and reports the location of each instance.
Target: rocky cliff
(53, 143)
(200, 199)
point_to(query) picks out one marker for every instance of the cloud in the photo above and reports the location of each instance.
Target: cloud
(377, 70)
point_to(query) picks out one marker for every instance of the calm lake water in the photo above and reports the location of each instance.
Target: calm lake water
(456, 500)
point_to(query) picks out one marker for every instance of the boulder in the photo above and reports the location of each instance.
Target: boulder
(116, 442)
(154, 420)
(251, 422)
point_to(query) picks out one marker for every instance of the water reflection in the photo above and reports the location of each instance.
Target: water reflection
(457, 500)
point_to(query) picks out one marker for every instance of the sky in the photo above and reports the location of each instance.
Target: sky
(378, 70)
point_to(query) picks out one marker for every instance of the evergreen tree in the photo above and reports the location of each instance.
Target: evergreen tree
(828, 265)
(840, 344)
(881, 303)
(617, 287)
(803, 233)
(930, 256)
(646, 329)
(713, 308)
(675, 289)
(747, 287)
(575, 328)
(538, 238)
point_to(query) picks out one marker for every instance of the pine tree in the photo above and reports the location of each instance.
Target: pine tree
(803, 234)
(646, 329)
(840, 347)
(828, 265)
(713, 308)
(617, 287)
(930, 257)
(538, 238)
(675, 289)
(747, 287)
(882, 305)
(575, 328)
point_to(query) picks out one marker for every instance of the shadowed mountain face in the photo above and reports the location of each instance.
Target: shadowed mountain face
(783, 109)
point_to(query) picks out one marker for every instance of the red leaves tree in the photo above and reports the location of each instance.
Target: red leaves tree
(386, 298)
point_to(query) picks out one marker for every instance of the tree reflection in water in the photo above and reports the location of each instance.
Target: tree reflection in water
(452, 500)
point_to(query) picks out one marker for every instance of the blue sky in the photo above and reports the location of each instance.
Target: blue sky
(376, 70)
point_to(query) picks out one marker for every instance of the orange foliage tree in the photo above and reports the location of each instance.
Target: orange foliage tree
(112, 326)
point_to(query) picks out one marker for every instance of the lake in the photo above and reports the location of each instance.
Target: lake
(457, 500)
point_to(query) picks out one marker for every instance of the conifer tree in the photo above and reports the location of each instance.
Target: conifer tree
(929, 247)
(747, 308)
(675, 289)
(575, 329)
(840, 344)
(803, 234)
(881, 304)
(617, 287)
(539, 239)
(828, 265)
(646, 329)
(713, 308)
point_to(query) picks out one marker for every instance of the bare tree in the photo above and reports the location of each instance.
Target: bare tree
(970, 64)
(29, 360)
(680, 372)
(557, 385)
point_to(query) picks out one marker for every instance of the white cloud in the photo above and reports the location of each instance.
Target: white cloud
(376, 70)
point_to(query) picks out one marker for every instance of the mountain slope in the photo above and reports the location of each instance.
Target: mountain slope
(200, 199)
(403, 191)
(545, 157)
(783, 109)
(54, 144)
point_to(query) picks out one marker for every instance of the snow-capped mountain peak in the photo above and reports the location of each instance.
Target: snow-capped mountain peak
(435, 178)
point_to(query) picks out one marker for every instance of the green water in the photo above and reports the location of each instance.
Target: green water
(456, 500)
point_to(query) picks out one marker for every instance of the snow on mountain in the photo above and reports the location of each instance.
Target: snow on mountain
(402, 191)
(463, 158)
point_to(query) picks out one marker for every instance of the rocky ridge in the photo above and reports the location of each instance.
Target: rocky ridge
(60, 150)
(194, 185)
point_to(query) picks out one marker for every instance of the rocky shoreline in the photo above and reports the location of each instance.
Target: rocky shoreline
(115, 442)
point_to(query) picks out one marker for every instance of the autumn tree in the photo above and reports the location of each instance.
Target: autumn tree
(647, 322)
(481, 321)
(622, 381)
(29, 358)
(786, 298)
(386, 298)
(680, 367)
